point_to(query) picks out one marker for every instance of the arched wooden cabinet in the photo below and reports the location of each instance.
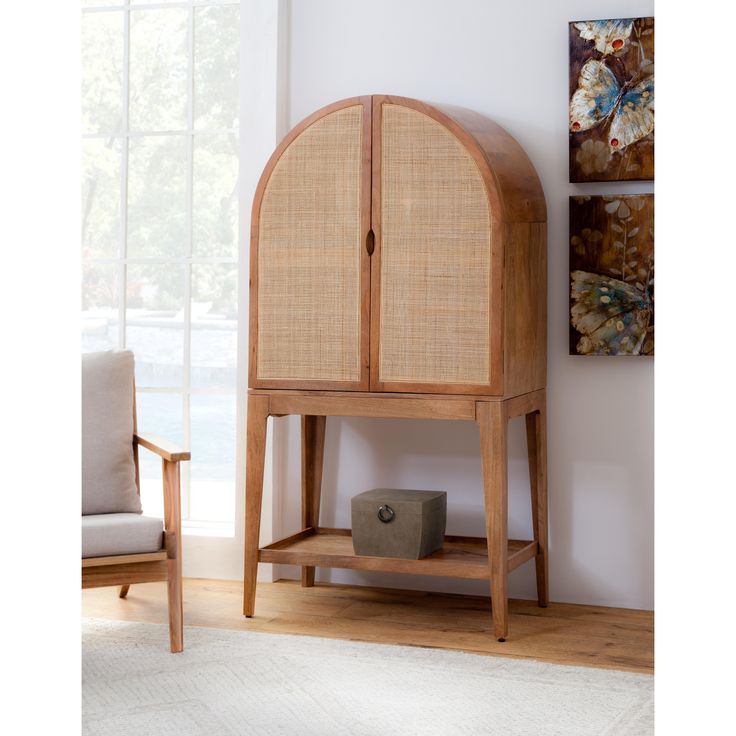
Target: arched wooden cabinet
(398, 269)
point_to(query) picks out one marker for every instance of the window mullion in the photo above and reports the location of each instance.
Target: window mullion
(188, 253)
(153, 133)
(124, 153)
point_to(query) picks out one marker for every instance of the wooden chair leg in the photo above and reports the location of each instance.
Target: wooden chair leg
(255, 460)
(536, 440)
(172, 524)
(493, 424)
(123, 592)
(313, 449)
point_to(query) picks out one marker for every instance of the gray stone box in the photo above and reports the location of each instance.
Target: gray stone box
(390, 522)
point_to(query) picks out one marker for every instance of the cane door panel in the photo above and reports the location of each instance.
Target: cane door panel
(433, 241)
(312, 268)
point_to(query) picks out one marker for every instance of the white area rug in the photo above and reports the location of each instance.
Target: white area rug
(244, 683)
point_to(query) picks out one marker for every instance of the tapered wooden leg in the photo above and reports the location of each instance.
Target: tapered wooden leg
(491, 418)
(172, 538)
(313, 449)
(536, 440)
(123, 591)
(255, 459)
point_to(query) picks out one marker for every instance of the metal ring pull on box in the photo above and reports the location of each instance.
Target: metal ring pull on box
(386, 514)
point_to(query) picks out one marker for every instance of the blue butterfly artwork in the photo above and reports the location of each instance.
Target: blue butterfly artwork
(612, 316)
(611, 109)
(599, 98)
(608, 36)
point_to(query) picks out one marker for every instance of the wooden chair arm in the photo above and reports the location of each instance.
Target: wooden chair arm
(172, 508)
(163, 448)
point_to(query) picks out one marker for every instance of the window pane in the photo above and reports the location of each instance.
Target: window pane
(161, 415)
(212, 478)
(214, 340)
(158, 69)
(157, 170)
(102, 71)
(99, 307)
(155, 323)
(100, 198)
(216, 67)
(215, 196)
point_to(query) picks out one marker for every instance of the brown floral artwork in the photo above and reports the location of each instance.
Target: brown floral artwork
(611, 110)
(612, 275)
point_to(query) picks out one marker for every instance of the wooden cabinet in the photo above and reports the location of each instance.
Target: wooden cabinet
(398, 246)
(398, 268)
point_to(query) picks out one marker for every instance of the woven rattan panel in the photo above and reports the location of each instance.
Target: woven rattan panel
(435, 255)
(308, 255)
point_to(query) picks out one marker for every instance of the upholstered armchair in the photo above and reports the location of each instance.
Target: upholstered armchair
(120, 546)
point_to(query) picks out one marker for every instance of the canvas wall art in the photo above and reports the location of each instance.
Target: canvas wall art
(612, 275)
(611, 109)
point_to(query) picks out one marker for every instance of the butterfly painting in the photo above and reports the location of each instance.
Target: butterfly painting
(612, 275)
(611, 108)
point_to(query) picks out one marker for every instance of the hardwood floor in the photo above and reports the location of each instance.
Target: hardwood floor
(591, 636)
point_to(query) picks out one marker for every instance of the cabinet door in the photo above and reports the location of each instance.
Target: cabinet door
(310, 271)
(431, 279)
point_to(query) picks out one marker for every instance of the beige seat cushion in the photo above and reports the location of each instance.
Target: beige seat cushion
(120, 534)
(108, 470)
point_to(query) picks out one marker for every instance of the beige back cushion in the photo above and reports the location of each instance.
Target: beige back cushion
(108, 469)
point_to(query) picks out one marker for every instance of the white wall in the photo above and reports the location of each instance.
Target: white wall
(507, 60)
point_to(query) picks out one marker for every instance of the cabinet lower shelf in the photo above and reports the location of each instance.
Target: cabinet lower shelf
(460, 557)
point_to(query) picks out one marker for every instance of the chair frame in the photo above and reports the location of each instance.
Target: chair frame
(164, 565)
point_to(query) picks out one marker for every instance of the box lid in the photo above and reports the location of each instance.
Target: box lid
(402, 500)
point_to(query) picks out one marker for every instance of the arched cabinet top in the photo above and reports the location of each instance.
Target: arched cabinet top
(514, 190)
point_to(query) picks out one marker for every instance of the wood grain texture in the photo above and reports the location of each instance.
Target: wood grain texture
(519, 406)
(536, 439)
(493, 424)
(516, 194)
(313, 448)
(124, 574)
(275, 393)
(525, 308)
(258, 410)
(172, 539)
(563, 633)
(163, 448)
(372, 406)
(460, 557)
(123, 559)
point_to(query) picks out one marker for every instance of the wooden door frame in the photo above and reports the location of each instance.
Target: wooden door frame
(363, 384)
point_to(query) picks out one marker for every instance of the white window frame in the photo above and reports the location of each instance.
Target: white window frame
(122, 261)
(264, 37)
